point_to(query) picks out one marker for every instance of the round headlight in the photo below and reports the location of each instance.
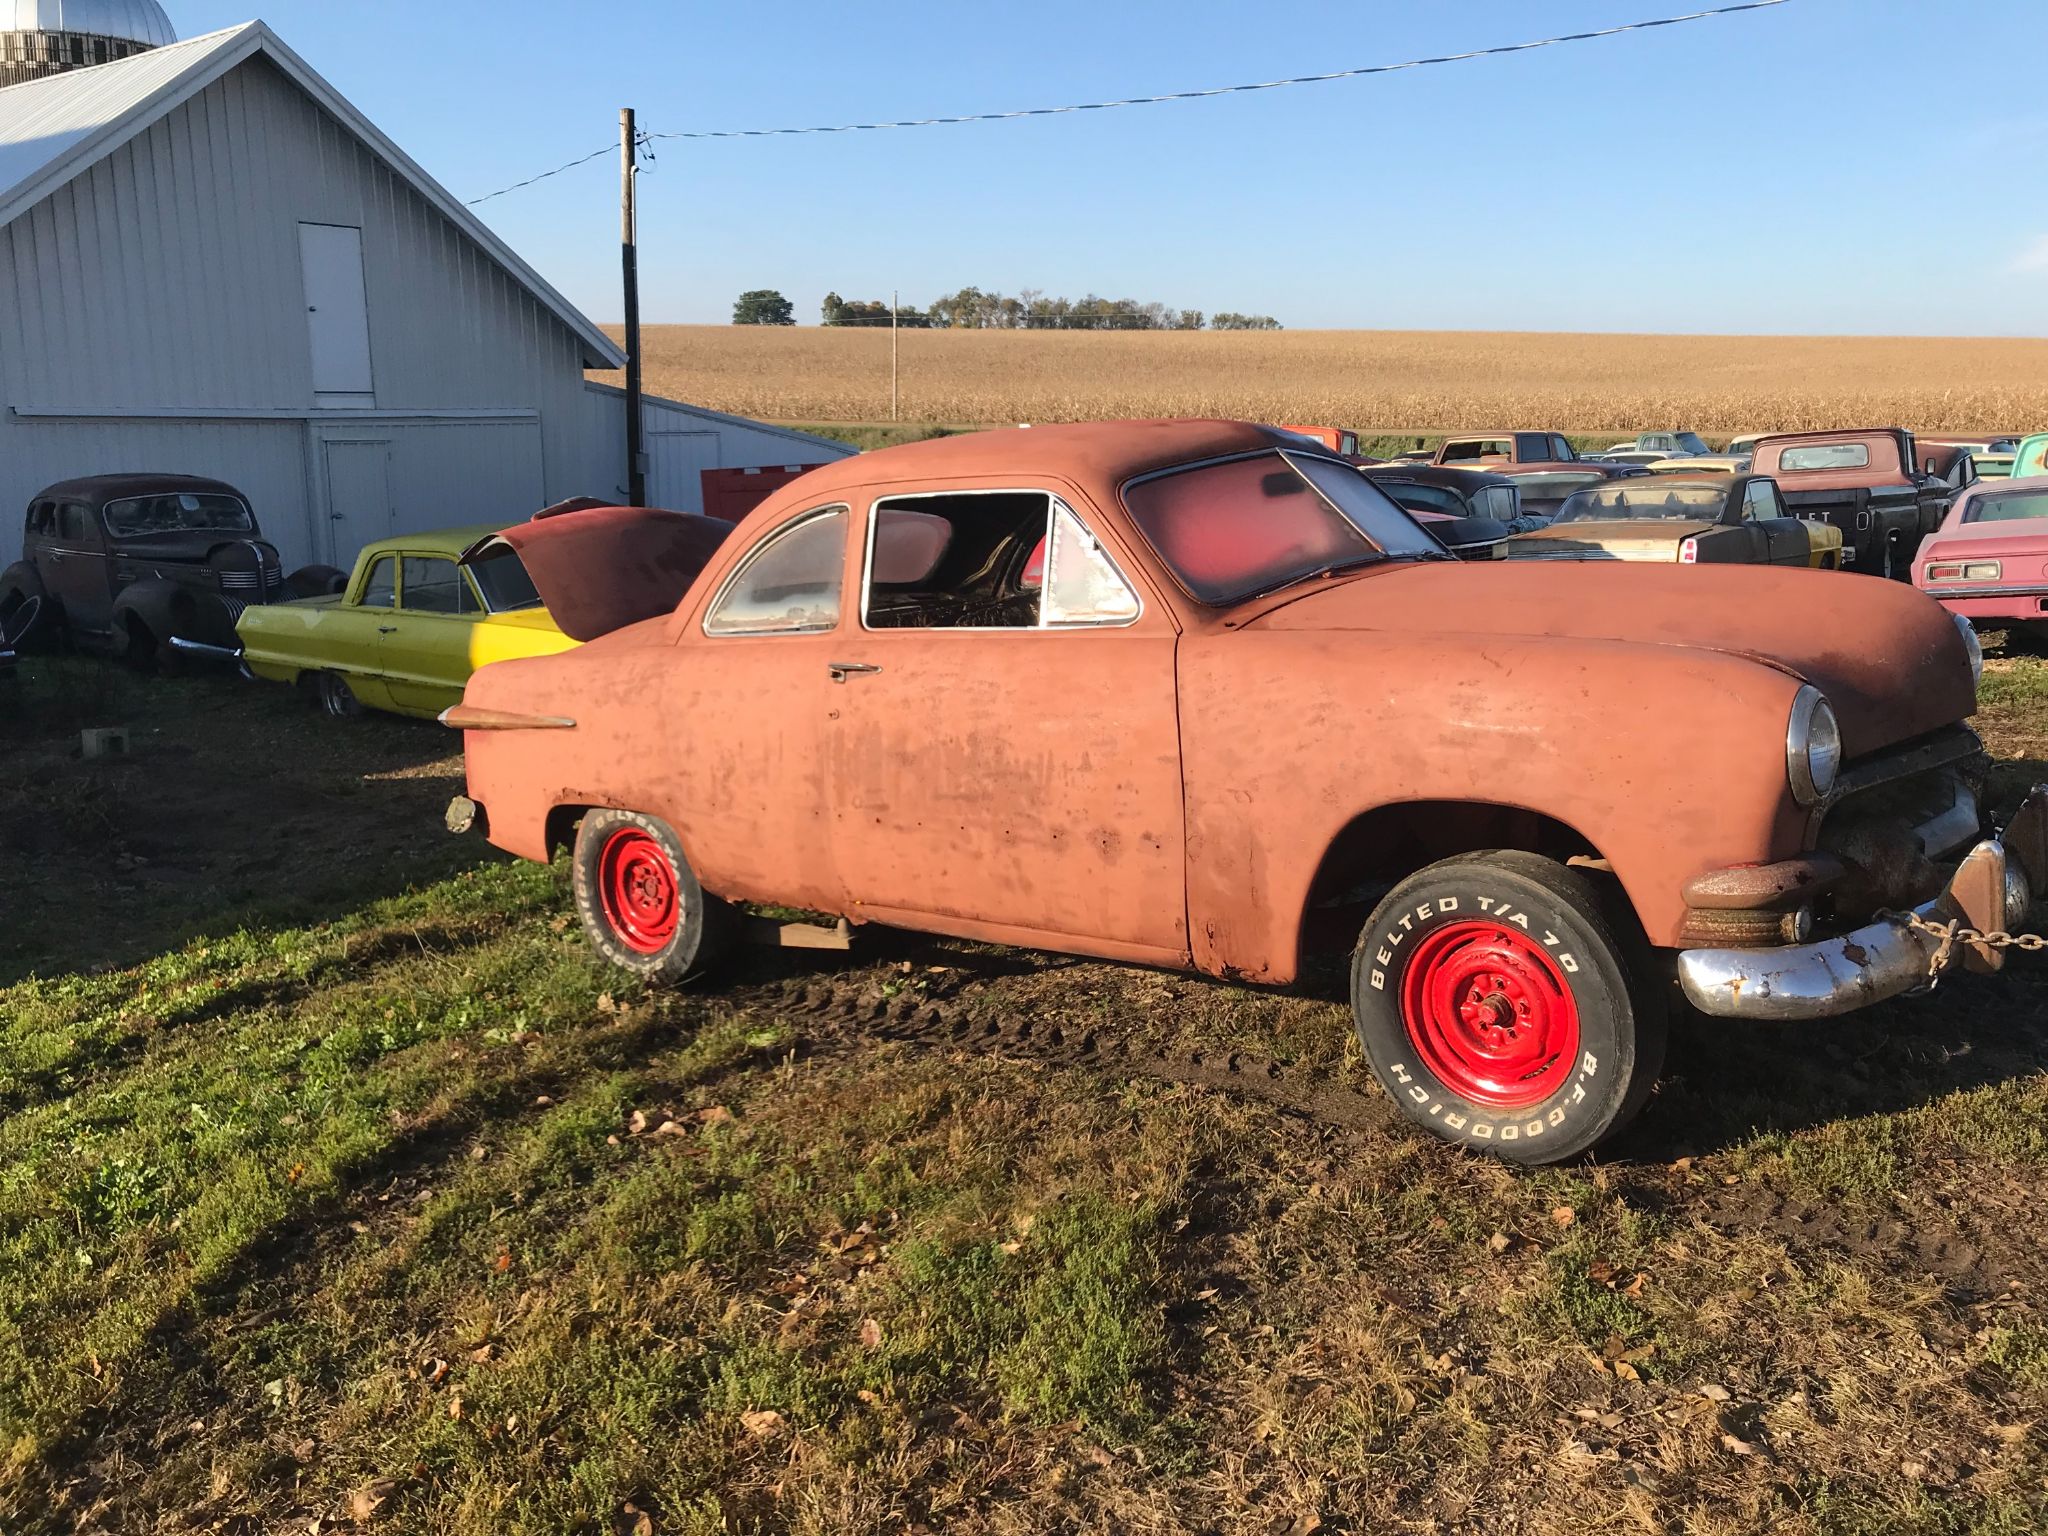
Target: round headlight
(1813, 747)
(1972, 647)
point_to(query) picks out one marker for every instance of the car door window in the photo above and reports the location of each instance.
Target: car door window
(1083, 586)
(75, 524)
(380, 588)
(42, 518)
(1561, 450)
(1761, 501)
(957, 560)
(790, 584)
(430, 585)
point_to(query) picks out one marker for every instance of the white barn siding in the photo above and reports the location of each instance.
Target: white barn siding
(682, 441)
(166, 277)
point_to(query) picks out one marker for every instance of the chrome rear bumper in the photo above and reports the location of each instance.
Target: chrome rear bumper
(1993, 889)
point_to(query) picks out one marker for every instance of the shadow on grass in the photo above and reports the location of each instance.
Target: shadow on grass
(235, 805)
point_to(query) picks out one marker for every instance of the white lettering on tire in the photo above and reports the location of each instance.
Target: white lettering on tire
(1450, 1113)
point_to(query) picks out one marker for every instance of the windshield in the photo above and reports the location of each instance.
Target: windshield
(179, 512)
(1233, 529)
(2008, 507)
(502, 579)
(1692, 442)
(1644, 499)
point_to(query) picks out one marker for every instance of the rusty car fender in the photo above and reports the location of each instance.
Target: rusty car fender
(1570, 731)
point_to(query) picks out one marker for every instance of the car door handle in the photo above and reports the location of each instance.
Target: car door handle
(387, 629)
(842, 670)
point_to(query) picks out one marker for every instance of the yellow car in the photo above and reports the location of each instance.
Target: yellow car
(406, 631)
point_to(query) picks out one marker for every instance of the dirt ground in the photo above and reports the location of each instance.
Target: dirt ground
(340, 1190)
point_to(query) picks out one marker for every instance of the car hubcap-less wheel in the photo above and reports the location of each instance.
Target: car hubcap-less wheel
(1490, 1014)
(637, 885)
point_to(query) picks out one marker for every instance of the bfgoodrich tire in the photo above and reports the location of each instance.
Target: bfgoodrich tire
(1497, 1005)
(640, 902)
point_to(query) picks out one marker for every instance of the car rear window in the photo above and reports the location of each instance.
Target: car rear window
(502, 577)
(1826, 456)
(2010, 507)
(1479, 448)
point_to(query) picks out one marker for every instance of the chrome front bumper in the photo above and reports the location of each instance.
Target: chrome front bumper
(1992, 890)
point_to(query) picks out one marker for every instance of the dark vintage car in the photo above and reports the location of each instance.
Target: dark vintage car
(1707, 520)
(12, 628)
(1473, 511)
(126, 563)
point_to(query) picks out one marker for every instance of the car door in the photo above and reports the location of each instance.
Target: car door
(1003, 745)
(751, 698)
(349, 638)
(73, 565)
(425, 646)
(1785, 538)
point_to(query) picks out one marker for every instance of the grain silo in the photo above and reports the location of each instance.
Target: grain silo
(48, 37)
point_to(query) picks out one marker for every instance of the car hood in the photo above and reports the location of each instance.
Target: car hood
(187, 548)
(1618, 538)
(599, 569)
(1888, 658)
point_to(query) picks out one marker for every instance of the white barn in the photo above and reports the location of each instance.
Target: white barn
(211, 263)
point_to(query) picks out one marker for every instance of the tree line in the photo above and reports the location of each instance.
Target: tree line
(973, 309)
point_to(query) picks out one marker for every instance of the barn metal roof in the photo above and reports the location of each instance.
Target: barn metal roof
(53, 129)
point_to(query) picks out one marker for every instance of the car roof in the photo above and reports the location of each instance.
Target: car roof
(1434, 474)
(1092, 452)
(435, 541)
(104, 488)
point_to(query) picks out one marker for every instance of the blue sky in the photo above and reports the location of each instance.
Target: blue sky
(1826, 166)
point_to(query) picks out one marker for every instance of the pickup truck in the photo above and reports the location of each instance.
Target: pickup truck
(1490, 450)
(1867, 483)
(1192, 694)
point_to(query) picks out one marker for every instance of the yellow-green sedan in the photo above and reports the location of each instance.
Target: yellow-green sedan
(407, 630)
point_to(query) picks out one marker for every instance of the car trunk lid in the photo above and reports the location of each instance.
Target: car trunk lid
(598, 568)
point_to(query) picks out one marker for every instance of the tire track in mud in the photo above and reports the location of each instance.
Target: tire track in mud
(840, 1012)
(854, 1008)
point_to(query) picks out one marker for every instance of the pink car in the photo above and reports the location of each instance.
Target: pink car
(1988, 562)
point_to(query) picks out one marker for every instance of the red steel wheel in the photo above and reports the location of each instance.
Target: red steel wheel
(1501, 1009)
(637, 884)
(1490, 1014)
(641, 904)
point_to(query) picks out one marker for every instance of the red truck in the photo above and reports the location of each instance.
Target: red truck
(1867, 483)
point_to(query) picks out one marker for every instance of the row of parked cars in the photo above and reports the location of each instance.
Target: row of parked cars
(1879, 500)
(1208, 695)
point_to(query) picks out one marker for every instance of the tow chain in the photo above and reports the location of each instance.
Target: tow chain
(1953, 933)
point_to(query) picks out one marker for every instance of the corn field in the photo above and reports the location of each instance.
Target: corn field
(1373, 380)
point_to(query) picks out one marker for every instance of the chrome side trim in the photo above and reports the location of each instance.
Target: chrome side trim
(200, 648)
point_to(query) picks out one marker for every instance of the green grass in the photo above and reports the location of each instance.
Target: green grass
(380, 1199)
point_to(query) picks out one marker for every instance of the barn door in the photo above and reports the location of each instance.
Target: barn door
(337, 314)
(358, 495)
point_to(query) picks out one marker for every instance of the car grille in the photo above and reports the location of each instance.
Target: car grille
(259, 586)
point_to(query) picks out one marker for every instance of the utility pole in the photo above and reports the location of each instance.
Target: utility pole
(629, 244)
(893, 397)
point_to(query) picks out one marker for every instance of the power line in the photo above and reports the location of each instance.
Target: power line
(1146, 101)
(544, 175)
(1230, 90)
